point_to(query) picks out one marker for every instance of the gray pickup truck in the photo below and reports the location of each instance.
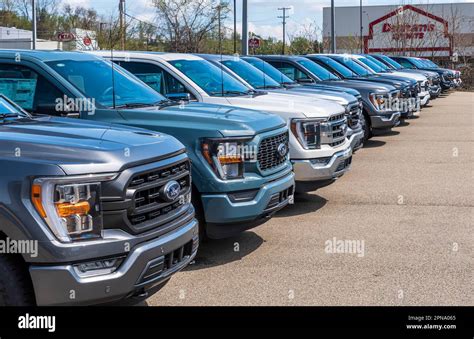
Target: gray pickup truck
(69, 194)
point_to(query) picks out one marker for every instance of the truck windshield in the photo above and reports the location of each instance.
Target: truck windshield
(269, 70)
(353, 65)
(418, 63)
(94, 79)
(8, 109)
(250, 74)
(317, 70)
(210, 78)
(379, 63)
(390, 61)
(430, 63)
(370, 65)
(336, 66)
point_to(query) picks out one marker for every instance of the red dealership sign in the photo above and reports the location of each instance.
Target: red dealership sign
(407, 28)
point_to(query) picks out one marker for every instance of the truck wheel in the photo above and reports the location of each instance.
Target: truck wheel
(196, 201)
(15, 285)
(366, 126)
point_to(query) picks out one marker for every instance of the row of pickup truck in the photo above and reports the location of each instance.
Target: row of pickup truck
(115, 165)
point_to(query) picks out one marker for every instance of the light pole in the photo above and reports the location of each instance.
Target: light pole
(235, 26)
(333, 28)
(361, 30)
(245, 30)
(33, 4)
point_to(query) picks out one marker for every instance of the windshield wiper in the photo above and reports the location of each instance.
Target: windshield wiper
(4, 116)
(137, 104)
(169, 103)
(223, 93)
(269, 87)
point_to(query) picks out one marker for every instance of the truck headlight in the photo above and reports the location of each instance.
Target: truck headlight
(70, 205)
(307, 132)
(380, 101)
(226, 157)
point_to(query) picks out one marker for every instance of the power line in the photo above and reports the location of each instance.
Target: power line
(284, 17)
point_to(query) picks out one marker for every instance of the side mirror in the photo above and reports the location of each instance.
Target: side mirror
(305, 81)
(178, 96)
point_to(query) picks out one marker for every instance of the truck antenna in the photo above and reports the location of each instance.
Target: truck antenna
(113, 70)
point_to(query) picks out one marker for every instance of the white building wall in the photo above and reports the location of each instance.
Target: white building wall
(348, 20)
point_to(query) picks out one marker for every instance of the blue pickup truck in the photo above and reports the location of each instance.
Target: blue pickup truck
(240, 162)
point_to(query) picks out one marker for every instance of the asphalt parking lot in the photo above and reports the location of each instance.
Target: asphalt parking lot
(408, 199)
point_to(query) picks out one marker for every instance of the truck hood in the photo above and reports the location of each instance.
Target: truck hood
(362, 85)
(341, 98)
(335, 88)
(80, 147)
(288, 105)
(399, 80)
(226, 120)
(415, 76)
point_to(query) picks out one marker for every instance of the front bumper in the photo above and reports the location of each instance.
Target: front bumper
(138, 275)
(385, 121)
(424, 98)
(308, 170)
(435, 91)
(356, 140)
(227, 214)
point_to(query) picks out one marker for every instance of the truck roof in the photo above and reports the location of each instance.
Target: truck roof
(282, 57)
(42, 55)
(150, 55)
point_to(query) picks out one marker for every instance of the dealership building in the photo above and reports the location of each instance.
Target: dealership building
(431, 30)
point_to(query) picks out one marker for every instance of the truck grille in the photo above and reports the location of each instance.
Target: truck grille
(268, 156)
(149, 200)
(353, 116)
(334, 131)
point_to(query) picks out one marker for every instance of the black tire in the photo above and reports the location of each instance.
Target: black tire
(197, 203)
(365, 121)
(15, 284)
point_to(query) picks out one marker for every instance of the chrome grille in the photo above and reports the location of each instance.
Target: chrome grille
(334, 130)
(148, 200)
(353, 117)
(268, 156)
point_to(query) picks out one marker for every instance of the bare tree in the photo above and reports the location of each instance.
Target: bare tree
(305, 39)
(187, 23)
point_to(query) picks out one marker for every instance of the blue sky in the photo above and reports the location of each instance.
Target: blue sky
(262, 13)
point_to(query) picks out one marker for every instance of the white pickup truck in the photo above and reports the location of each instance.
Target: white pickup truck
(319, 148)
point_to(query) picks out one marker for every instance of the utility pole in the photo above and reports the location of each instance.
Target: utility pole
(235, 26)
(333, 27)
(33, 4)
(245, 29)
(122, 24)
(361, 30)
(284, 17)
(219, 10)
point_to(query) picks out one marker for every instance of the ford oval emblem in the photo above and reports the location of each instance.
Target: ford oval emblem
(282, 150)
(170, 191)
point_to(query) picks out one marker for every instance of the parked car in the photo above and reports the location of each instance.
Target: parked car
(433, 78)
(256, 79)
(74, 188)
(319, 149)
(306, 71)
(233, 190)
(447, 77)
(408, 87)
(378, 67)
